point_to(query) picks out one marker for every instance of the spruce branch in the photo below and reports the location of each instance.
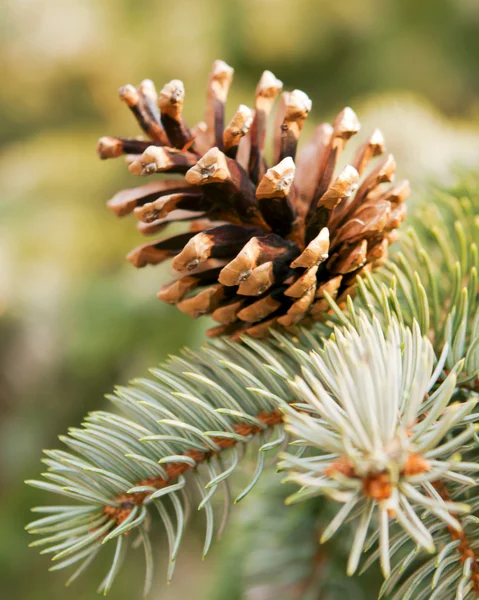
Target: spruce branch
(453, 572)
(192, 421)
(377, 438)
(370, 395)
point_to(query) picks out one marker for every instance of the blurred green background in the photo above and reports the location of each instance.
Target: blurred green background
(75, 318)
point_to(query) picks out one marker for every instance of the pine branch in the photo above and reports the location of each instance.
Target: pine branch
(453, 572)
(377, 439)
(192, 421)
(371, 409)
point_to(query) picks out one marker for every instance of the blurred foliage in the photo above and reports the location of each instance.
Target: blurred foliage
(74, 317)
(273, 551)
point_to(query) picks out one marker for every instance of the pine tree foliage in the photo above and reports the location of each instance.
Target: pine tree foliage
(192, 421)
(433, 279)
(378, 458)
(379, 402)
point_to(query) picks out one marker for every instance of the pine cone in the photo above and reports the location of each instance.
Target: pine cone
(264, 244)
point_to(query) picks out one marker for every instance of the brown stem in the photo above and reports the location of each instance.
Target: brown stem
(465, 550)
(173, 470)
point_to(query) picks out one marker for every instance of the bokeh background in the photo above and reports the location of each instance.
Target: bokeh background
(75, 318)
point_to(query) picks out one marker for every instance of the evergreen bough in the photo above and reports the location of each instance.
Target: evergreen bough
(371, 415)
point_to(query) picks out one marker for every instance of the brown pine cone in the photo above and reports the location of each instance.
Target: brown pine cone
(264, 244)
